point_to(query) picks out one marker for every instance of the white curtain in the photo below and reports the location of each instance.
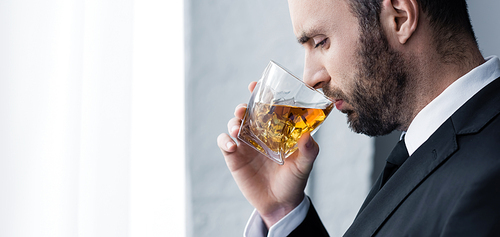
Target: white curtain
(92, 118)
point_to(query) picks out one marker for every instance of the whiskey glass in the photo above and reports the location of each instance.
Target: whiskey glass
(282, 108)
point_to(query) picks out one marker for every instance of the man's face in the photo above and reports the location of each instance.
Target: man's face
(355, 67)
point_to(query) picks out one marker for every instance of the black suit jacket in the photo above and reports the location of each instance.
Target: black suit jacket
(450, 186)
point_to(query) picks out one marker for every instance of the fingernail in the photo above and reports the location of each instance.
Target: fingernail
(229, 145)
(234, 129)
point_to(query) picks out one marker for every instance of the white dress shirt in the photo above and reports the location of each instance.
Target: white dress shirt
(421, 128)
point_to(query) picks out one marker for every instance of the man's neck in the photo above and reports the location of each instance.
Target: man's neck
(433, 75)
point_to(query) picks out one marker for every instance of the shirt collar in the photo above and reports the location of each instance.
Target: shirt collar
(451, 99)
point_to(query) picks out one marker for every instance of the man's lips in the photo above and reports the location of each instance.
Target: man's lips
(338, 104)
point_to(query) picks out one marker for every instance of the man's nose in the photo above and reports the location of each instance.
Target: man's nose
(315, 74)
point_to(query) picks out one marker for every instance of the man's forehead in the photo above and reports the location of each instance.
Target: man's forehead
(311, 17)
(315, 5)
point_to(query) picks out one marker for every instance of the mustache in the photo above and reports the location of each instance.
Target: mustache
(334, 92)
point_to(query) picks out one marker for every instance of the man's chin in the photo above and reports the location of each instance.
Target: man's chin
(352, 121)
(351, 115)
(371, 129)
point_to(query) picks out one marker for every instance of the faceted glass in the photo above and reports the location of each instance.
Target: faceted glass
(282, 108)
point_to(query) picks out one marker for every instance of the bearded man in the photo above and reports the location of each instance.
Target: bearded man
(408, 65)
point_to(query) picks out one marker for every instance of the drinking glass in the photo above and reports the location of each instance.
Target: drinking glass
(282, 108)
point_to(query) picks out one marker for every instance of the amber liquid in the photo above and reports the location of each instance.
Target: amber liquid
(281, 126)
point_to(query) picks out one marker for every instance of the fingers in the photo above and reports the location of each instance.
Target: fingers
(309, 150)
(224, 141)
(251, 86)
(233, 126)
(226, 144)
(240, 110)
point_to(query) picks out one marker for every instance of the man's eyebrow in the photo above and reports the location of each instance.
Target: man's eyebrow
(307, 35)
(303, 39)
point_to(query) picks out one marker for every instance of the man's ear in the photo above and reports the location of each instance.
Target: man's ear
(400, 18)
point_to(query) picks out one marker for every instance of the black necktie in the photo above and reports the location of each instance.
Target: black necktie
(397, 157)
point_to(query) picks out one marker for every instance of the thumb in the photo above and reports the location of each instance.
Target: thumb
(308, 148)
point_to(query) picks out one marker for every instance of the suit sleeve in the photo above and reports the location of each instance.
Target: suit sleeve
(311, 226)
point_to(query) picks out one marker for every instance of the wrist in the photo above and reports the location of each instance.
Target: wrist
(272, 217)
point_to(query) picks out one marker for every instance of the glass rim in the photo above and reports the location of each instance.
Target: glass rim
(308, 86)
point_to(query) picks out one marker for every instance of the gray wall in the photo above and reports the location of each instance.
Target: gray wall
(228, 45)
(486, 25)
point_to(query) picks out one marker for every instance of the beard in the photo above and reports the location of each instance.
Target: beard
(379, 89)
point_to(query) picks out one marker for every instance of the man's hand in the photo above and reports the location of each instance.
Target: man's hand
(274, 190)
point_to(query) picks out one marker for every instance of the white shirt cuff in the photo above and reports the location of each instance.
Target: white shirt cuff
(256, 228)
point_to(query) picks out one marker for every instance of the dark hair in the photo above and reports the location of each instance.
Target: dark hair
(449, 19)
(448, 15)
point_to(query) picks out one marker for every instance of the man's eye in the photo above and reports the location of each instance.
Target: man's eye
(321, 43)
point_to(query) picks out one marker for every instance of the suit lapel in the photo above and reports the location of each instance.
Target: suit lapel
(470, 118)
(371, 194)
(418, 166)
